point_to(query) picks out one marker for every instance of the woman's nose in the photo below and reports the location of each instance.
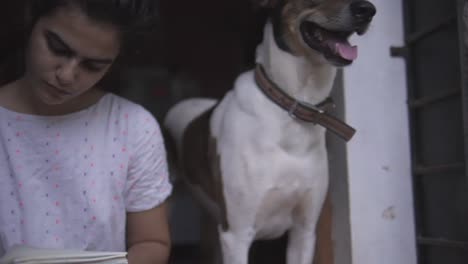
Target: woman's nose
(67, 72)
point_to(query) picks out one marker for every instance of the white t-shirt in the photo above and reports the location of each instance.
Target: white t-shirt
(66, 182)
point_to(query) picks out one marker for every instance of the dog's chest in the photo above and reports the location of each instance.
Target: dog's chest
(295, 138)
(275, 214)
(283, 185)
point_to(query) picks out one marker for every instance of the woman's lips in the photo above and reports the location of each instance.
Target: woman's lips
(58, 90)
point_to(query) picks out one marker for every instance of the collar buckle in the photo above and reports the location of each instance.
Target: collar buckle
(297, 103)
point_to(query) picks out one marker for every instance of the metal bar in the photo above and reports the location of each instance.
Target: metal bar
(442, 242)
(442, 168)
(421, 34)
(463, 34)
(411, 93)
(434, 98)
(399, 51)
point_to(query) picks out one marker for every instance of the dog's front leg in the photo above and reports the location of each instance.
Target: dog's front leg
(302, 236)
(235, 246)
(301, 245)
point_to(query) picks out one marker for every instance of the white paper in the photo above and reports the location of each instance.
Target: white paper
(29, 255)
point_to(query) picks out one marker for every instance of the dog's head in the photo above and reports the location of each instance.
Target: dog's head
(319, 27)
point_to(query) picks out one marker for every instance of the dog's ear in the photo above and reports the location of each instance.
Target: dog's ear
(265, 3)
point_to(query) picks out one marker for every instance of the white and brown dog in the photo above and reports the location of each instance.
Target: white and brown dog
(257, 160)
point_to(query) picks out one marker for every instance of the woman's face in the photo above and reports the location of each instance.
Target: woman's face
(68, 53)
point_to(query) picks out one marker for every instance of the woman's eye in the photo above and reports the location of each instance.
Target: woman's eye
(57, 49)
(92, 67)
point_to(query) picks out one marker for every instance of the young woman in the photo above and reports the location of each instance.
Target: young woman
(80, 168)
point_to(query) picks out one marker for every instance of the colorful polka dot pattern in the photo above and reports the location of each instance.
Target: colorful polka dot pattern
(67, 182)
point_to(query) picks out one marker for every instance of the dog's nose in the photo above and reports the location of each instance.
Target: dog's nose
(363, 11)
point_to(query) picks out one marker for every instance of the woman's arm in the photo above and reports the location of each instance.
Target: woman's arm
(148, 238)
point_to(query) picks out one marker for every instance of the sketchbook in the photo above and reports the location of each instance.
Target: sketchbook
(29, 255)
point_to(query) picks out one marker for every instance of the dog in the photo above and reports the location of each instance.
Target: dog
(256, 160)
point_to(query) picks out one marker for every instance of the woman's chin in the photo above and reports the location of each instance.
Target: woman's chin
(50, 96)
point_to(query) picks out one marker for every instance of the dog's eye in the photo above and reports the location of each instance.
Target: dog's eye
(314, 3)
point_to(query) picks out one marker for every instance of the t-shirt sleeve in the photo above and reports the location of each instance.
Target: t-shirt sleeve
(148, 182)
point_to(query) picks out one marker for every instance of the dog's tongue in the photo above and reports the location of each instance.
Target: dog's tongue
(346, 51)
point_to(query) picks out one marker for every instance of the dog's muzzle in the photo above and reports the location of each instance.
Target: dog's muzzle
(362, 12)
(333, 43)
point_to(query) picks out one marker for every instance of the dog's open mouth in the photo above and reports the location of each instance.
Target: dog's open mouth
(333, 45)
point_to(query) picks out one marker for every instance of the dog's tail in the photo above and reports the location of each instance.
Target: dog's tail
(181, 114)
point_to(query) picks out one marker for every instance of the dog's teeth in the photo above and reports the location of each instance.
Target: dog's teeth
(318, 35)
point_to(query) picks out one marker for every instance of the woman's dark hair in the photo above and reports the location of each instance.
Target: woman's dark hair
(129, 16)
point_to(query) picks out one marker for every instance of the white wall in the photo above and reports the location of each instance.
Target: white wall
(378, 157)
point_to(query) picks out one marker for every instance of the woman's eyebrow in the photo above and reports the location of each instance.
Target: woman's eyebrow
(54, 36)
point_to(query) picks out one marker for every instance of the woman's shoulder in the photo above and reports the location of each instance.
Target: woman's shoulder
(124, 105)
(128, 109)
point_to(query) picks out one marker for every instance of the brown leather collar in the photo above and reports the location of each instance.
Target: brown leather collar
(301, 110)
